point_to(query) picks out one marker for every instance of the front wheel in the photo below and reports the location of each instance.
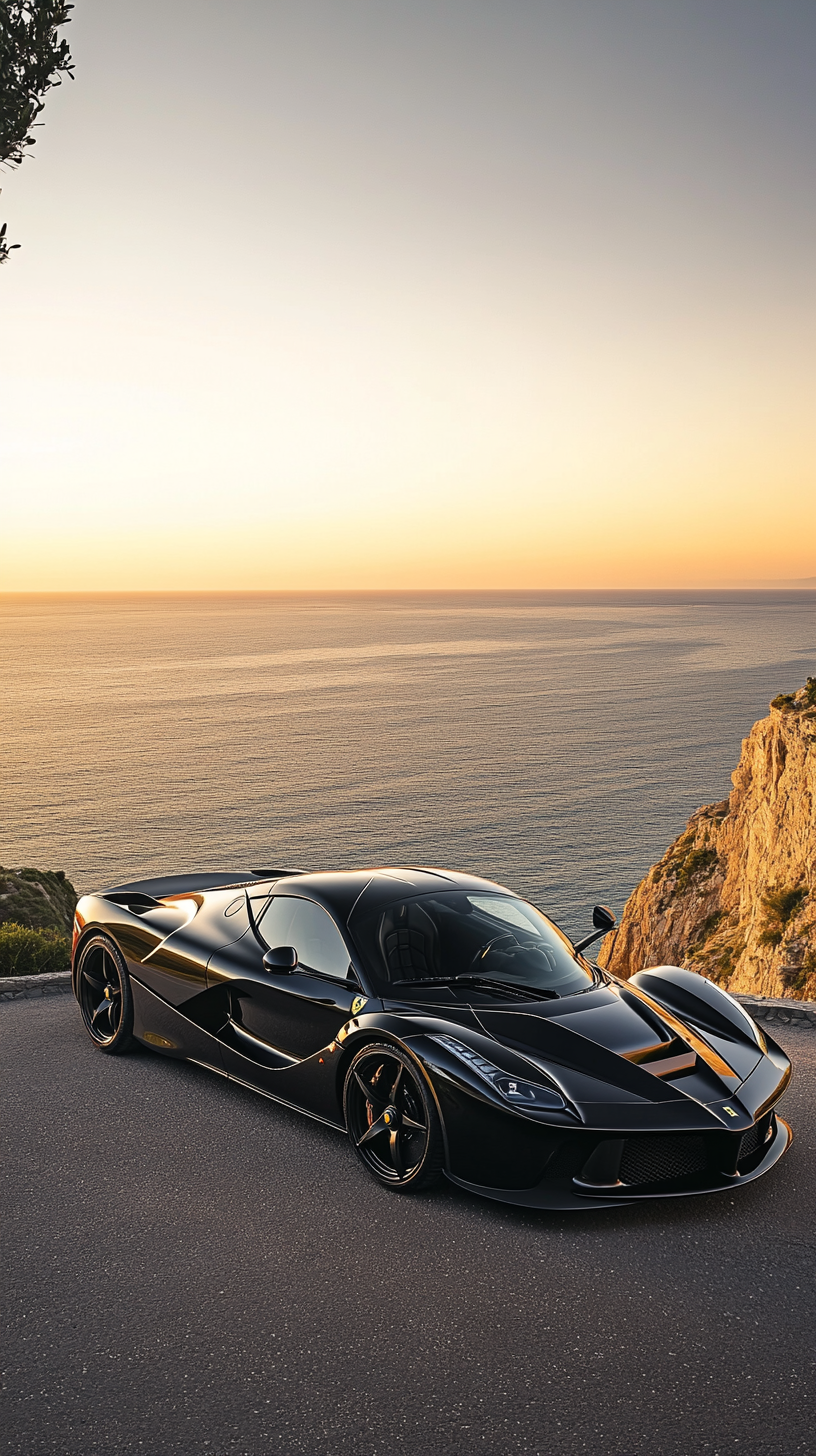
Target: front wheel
(392, 1120)
(104, 995)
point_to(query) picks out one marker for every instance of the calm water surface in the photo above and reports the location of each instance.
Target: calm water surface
(554, 741)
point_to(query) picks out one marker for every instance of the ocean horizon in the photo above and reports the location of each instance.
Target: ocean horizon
(555, 741)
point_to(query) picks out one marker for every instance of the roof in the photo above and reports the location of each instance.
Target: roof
(345, 890)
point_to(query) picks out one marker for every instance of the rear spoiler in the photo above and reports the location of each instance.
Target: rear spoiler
(155, 889)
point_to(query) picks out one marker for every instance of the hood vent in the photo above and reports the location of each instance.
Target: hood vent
(667, 1059)
(671, 1066)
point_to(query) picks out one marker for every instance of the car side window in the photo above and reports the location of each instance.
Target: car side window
(311, 930)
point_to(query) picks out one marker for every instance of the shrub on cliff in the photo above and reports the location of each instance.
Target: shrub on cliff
(699, 861)
(791, 702)
(801, 980)
(780, 906)
(40, 899)
(27, 952)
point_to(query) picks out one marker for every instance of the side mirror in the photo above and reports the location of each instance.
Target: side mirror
(603, 920)
(281, 958)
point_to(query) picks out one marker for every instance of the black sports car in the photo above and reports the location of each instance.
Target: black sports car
(445, 1024)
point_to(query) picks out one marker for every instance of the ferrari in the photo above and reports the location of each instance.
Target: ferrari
(446, 1025)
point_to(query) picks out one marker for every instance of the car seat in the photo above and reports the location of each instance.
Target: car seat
(409, 943)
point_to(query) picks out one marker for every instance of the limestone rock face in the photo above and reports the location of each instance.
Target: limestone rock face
(735, 896)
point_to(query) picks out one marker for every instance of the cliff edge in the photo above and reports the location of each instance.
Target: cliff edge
(735, 896)
(38, 899)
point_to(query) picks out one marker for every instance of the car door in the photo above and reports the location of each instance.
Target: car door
(295, 1013)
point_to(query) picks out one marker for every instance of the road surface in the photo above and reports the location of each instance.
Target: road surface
(191, 1269)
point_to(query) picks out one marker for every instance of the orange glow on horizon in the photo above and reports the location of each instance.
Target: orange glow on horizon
(552, 328)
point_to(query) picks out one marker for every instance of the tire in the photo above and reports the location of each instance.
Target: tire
(104, 995)
(392, 1120)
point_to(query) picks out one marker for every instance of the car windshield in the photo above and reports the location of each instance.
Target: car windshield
(461, 933)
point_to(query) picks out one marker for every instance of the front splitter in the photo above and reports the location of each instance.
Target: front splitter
(561, 1197)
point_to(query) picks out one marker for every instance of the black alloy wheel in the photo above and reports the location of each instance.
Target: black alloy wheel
(392, 1120)
(104, 995)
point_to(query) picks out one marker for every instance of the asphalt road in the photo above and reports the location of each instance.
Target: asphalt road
(192, 1269)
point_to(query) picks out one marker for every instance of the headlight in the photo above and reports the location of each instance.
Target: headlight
(512, 1089)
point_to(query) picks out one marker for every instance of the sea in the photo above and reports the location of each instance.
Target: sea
(553, 741)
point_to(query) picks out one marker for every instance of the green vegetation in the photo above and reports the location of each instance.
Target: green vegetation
(721, 966)
(795, 979)
(39, 899)
(791, 703)
(717, 948)
(801, 980)
(697, 862)
(36, 919)
(780, 906)
(32, 60)
(687, 859)
(27, 952)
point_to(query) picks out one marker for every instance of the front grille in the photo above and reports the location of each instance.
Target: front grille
(656, 1159)
(753, 1139)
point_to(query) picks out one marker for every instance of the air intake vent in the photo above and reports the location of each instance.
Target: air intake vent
(753, 1139)
(656, 1159)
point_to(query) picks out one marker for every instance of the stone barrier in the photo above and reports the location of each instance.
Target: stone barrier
(779, 1009)
(52, 983)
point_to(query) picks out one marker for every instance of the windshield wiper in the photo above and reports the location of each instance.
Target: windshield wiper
(526, 993)
(490, 983)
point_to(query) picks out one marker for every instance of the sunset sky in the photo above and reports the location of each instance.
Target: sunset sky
(415, 293)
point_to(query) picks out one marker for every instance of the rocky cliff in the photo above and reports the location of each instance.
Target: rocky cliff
(735, 896)
(39, 899)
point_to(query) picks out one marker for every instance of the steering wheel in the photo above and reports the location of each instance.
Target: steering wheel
(516, 944)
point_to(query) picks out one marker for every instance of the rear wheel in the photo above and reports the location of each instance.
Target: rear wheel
(392, 1120)
(104, 995)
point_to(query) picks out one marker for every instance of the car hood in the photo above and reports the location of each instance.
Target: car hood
(622, 1038)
